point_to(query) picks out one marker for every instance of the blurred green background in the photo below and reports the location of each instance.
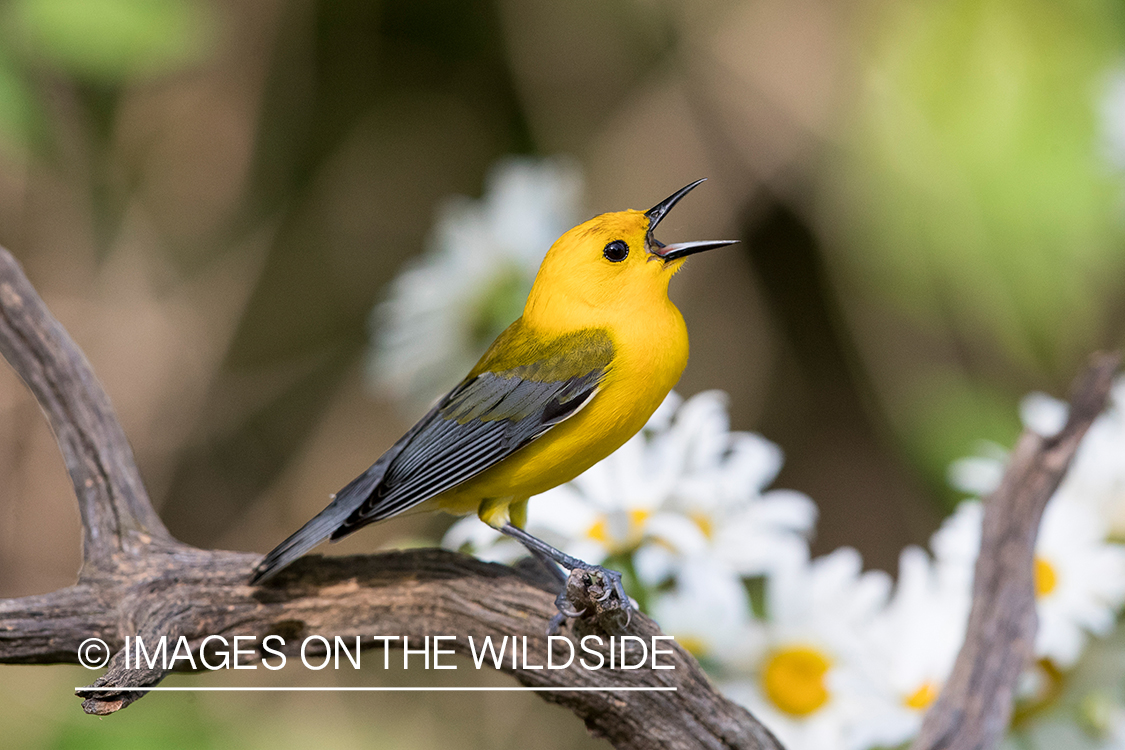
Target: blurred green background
(211, 197)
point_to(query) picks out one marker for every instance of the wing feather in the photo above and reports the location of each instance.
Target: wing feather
(519, 390)
(462, 440)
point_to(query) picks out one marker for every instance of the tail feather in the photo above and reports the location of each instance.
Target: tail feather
(325, 523)
(321, 526)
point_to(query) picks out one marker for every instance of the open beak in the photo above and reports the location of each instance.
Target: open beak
(677, 249)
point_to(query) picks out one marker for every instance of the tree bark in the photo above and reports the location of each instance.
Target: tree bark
(975, 706)
(136, 580)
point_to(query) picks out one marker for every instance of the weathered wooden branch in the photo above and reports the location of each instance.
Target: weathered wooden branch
(117, 515)
(974, 708)
(137, 580)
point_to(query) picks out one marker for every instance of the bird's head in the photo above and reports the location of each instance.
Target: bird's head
(613, 262)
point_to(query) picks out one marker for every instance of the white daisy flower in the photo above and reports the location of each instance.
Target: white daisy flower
(1044, 415)
(1079, 581)
(811, 683)
(684, 486)
(709, 613)
(914, 642)
(979, 475)
(1096, 476)
(956, 546)
(1079, 576)
(720, 485)
(444, 310)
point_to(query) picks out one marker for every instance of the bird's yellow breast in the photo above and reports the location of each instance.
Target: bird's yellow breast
(650, 353)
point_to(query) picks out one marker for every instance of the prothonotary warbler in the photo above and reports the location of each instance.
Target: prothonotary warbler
(598, 347)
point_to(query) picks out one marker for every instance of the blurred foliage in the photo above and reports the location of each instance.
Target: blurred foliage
(368, 96)
(977, 204)
(20, 115)
(180, 725)
(106, 43)
(1075, 705)
(48, 716)
(109, 41)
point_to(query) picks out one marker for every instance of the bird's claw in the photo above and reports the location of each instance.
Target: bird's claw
(566, 610)
(555, 623)
(613, 578)
(580, 590)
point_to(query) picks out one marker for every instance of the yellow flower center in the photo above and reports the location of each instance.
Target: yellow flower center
(703, 521)
(794, 679)
(600, 531)
(693, 644)
(922, 697)
(1046, 579)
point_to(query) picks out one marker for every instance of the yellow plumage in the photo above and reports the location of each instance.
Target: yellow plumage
(576, 289)
(598, 347)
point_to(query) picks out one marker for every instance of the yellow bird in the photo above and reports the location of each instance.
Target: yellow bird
(598, 347)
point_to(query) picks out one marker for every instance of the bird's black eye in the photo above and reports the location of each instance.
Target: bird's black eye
(616, 251)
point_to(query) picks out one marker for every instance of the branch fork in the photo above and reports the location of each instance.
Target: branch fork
(137, 580)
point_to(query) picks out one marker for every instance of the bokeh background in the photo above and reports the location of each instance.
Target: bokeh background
(213, 196)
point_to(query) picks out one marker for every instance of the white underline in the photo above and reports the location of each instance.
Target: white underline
(306, 689)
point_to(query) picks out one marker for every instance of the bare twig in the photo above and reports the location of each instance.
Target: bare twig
(137, 580)
(116, 513)
(975, 706)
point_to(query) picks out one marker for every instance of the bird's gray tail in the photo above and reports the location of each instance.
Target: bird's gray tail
(325, 523)
(321, 526)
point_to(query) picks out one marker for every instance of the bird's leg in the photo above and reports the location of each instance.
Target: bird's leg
(546, 552)
(551, 566)
(517, 516)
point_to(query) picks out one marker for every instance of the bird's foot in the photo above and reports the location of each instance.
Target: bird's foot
(591, 594)
(596, 595)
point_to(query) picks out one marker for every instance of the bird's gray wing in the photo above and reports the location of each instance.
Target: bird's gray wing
(482, 421)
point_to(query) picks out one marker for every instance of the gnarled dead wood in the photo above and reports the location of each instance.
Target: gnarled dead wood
(975, 706)
(136, 580)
